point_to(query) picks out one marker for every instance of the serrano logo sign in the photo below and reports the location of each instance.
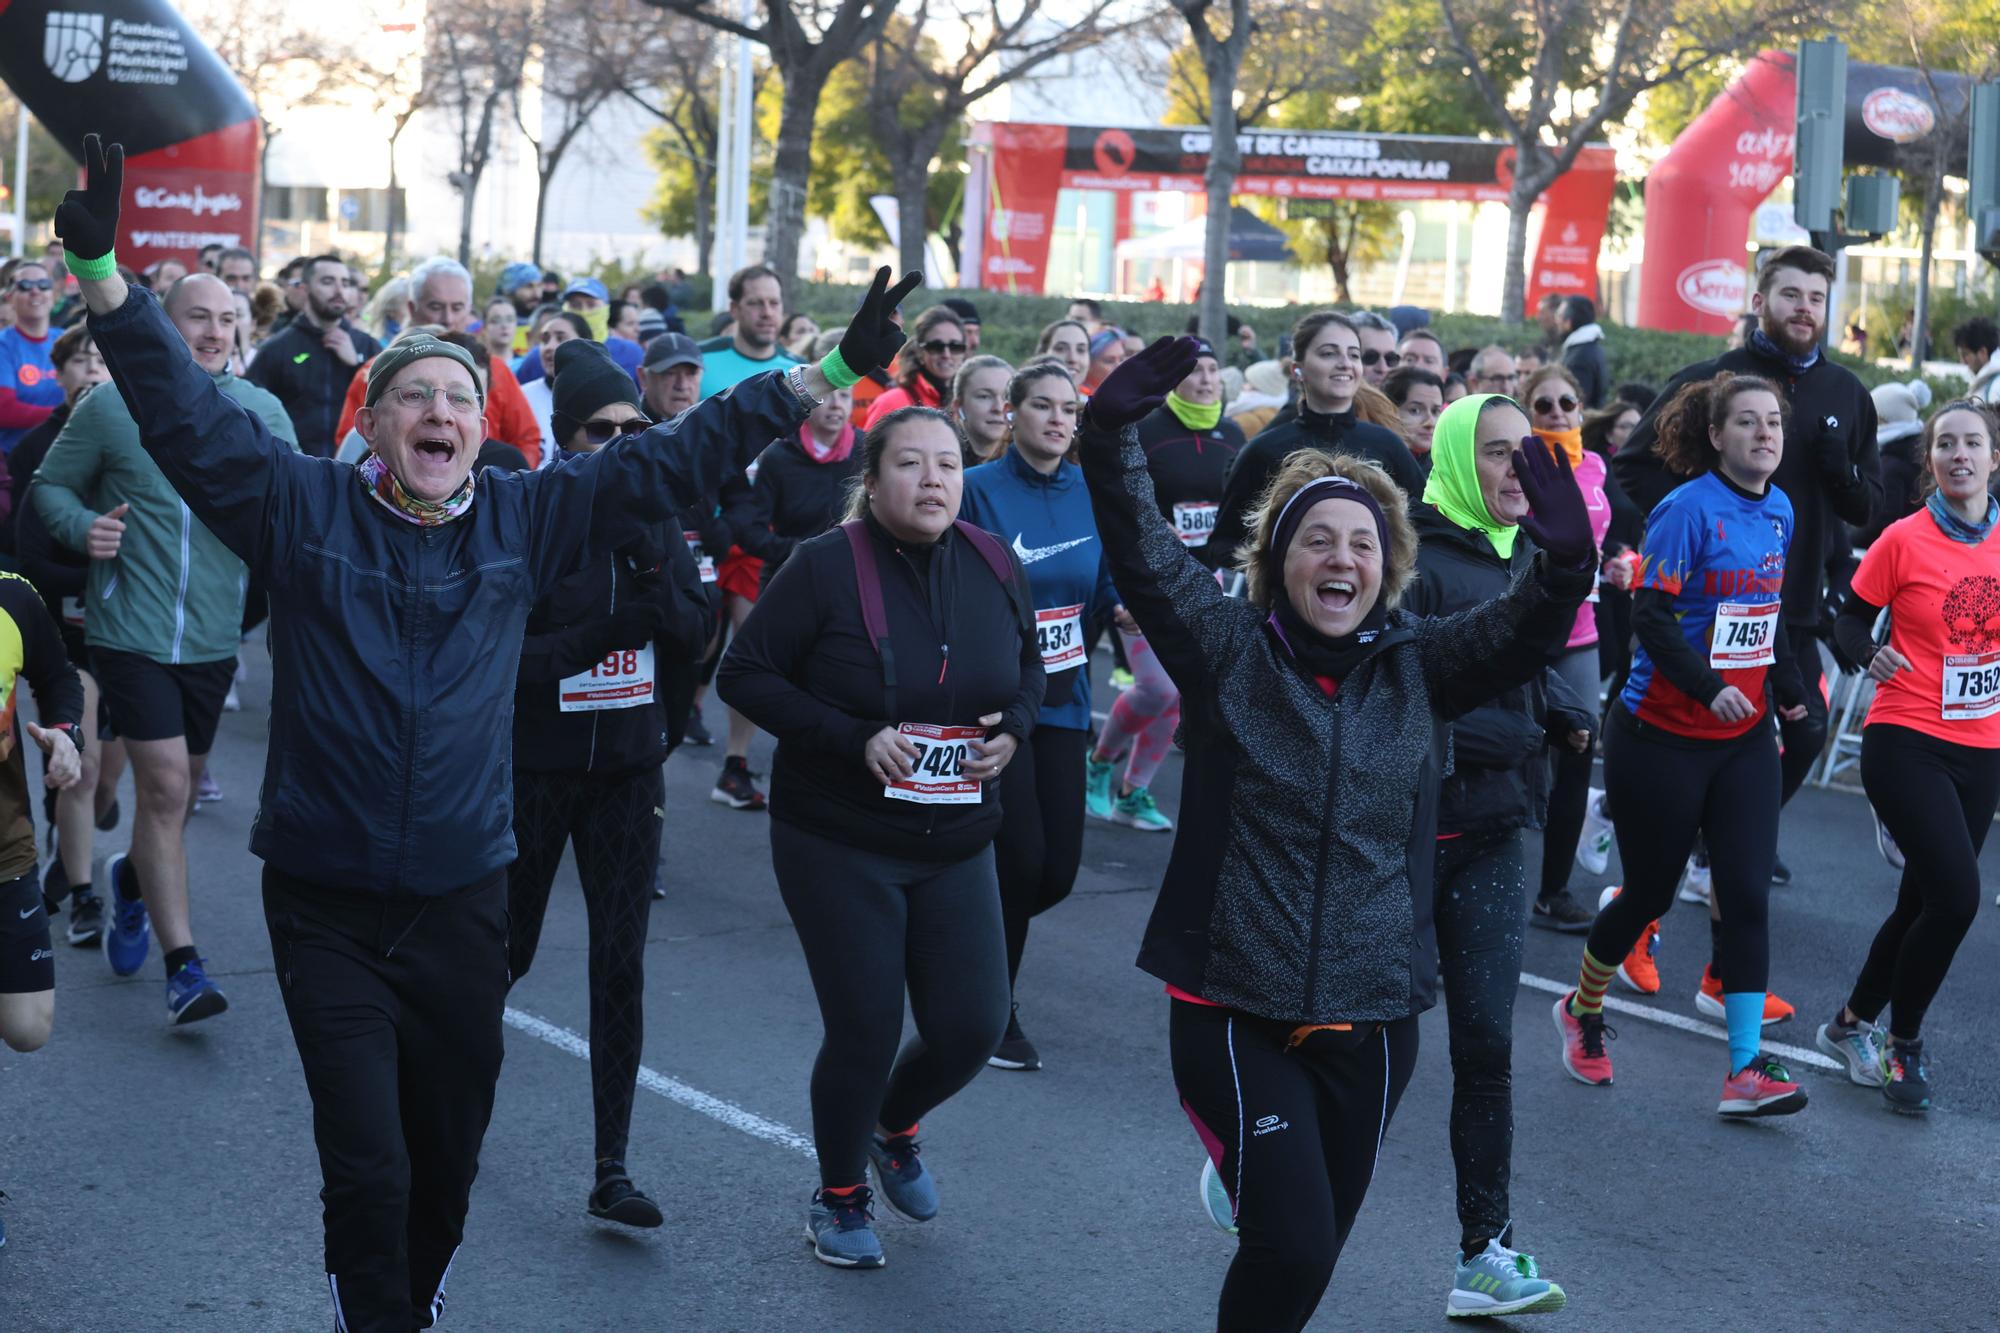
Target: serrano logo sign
(1714, 287)
(1897, 116)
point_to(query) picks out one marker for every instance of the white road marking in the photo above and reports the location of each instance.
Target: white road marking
(728, 1113)
(1792, 1054)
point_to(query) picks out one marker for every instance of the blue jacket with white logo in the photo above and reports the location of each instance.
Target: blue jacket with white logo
(1047, 521)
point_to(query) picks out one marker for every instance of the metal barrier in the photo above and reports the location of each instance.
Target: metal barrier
(1847, 707)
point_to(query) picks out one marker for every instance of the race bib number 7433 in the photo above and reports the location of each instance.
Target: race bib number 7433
(1059, 635)
(937, 774)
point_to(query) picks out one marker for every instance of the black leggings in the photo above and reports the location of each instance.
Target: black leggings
(1805, 738)
(614, 823)
(1938, 800)
(1481, 911)
(1294, 1134)
(870, 925)
(1665, 791)
(1040, 844)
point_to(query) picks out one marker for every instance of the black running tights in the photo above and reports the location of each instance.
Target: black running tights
(614, 823)
(1665, 790)
(1040, 844)
(1294, 1133)
(1938, 800)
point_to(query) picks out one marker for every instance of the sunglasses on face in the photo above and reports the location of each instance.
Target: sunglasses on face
(34, 284)
(1547, 406)
(1390, 359)
(939, 347)
(599, 431)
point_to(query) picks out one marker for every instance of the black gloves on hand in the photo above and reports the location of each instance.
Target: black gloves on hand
(1557, 519)
(87, 218)
(1141, 383)
(872, 338)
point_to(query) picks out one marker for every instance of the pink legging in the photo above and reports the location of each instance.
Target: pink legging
(1144, 718)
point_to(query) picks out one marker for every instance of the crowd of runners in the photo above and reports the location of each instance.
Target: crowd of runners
(1392, 601)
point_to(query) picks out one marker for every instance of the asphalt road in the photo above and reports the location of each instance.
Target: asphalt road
(166, 1179)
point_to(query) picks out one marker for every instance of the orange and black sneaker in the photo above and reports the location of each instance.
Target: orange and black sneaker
(1708, 1000)
(1640, 971)
(1583, 1053)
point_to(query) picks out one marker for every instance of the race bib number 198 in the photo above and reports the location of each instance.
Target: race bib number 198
(937, 775)
(622, 680)
(1971, 686)
(1745, 636)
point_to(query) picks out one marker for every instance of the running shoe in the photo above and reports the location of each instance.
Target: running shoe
(1885, 843)
(659, 884)
(737, 787)
(1215, 1199)
(697, 732)
(1593, 849)
(1696, 884)
(1908, 1090)
(1137, 809)
(841, 1229)
(1583, 1038)
(191, 996)
(1097, 787)
(232, 702)
(1121, 679)
(617, 1199)
(1708, 1000)
(1016, 1051)
(1762, 1087)
(1640, 971)
(86, 920)
(906, 1189)
(1863, 1047)
(1499, 1281)
(109, 819)
(208, 789)
(1559, 911)
(131, 932)
(1781, 874)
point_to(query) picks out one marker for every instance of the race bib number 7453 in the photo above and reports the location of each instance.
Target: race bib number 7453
(1745, 636)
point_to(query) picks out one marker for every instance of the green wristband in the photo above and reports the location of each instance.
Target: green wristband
(837, 371)
(96, 270)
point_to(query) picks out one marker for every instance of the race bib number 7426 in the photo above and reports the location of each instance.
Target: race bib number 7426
(937, 774)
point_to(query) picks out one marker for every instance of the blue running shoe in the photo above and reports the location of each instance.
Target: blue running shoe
(841, 1230)
(1215, 1198)
(1498, 1281)
(131, 933)
(191, 996)
(906, 1187)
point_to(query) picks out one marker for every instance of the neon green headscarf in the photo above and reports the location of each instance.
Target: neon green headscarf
(1454, 484)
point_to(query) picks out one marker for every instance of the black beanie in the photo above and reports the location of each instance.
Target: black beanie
(586, 381)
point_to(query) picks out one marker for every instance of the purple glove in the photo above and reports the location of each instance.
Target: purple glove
(1141, 384)
(1556, 518)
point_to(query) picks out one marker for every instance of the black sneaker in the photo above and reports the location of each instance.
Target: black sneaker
(1908, 1089)
(697, 732)
(659, 884)
(86, 920)
(1781, 874)
(737, 787)
(1559, 911)
(109, 819)
(1016, 1051)
(617, 1199)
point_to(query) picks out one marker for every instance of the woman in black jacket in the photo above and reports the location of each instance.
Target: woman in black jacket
(590, 734)
(1472, 549)
(896, 661)
(1294, 926)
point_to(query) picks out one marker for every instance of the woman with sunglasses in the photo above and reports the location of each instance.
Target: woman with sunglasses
(28, 387)
(590, 732)
(929, 359)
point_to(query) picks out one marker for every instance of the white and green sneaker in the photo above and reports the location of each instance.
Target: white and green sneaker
(1498, 1281)
(1864, 1048)
(1097, 786)
(1215, 1199)
(1137, 810)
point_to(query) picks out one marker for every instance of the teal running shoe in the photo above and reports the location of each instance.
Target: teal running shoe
(1498, 1281)
(1097, 787)
(1215, 1199)
(1136, 809)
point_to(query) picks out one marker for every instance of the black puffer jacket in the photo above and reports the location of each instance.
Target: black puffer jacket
(1340, 433)
(797, 499)
(1500, 773)
(1300, 883)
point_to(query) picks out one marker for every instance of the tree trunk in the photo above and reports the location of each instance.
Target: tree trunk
(389, 228)
(1336, 259)
(1224, 159)
(1920, 314)
(912, 180)
(542, 179)
(467, 192)
(704, 217)
(1531, 177)
(792, 164)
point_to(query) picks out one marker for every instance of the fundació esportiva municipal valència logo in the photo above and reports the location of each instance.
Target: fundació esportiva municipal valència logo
(73, 45)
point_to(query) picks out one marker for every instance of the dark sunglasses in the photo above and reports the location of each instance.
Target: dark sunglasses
(1546, 405)
(938, 347)
(599, 431)
(1390, 359)
(34, 284)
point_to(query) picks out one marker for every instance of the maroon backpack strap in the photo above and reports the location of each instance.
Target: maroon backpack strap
(990, 550)
(874, 615)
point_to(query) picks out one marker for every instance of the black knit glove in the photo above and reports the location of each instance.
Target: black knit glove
(1141, 383)
(872, 338)
(87, 218)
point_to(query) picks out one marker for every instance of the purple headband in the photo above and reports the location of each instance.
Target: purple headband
(1310, 494)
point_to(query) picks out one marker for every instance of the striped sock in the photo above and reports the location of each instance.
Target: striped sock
(1589, 997)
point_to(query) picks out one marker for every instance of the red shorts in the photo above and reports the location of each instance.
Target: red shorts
(738, 574)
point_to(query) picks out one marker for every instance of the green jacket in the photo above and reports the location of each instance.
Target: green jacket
(175, 593)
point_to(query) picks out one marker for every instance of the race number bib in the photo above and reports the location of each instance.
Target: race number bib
(703, 561)
(1745, 636)
(1194, 521)
(1059, 632)
(1971, 686)
(937, 776)
(72, 612)
(622, 680)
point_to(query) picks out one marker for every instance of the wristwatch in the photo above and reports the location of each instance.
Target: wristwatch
(73, 731)
(795, 380)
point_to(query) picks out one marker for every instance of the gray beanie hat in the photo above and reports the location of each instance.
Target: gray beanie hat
(407, 348)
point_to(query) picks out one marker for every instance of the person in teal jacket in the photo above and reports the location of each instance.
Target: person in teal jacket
(1033, 499)
(163, 615)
